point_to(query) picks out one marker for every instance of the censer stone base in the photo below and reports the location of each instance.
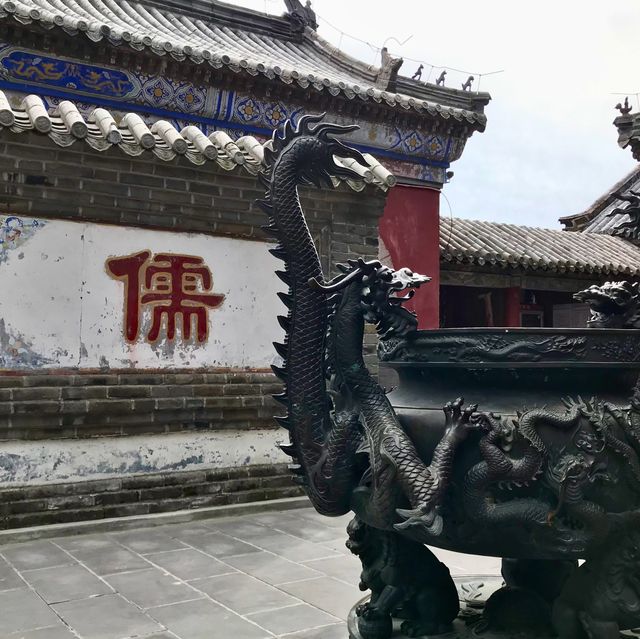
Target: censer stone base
(471, 622)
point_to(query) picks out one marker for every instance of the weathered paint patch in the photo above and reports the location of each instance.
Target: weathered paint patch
(16, 352)
(15, 231)
(66, 311)
(72, 460)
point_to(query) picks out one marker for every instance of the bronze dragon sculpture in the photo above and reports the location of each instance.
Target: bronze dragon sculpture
(535, 480)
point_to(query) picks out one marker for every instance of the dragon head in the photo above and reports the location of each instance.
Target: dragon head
(611, 304)
(316, 150)
(383, 293)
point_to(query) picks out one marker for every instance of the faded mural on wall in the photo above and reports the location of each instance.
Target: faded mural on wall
(91, 296)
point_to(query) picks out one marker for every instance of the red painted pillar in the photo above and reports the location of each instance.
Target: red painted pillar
(512, 301)
(410, 231)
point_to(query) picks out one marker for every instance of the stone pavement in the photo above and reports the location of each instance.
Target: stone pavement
(278, 574)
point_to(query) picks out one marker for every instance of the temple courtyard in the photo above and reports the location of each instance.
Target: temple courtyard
(284, 574)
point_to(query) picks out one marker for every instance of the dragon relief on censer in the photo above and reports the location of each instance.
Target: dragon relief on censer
(541, 488)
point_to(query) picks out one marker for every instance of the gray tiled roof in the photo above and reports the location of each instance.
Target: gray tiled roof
(522, 247)
(102, 130)
(598, 217)
(306, 59)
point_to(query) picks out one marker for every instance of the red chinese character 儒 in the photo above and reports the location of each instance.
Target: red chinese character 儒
(172, 285)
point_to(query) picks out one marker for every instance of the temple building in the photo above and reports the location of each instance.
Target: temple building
(139, 302)
(494, 274)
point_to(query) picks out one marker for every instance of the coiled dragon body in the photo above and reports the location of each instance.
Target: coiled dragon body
(326, 438)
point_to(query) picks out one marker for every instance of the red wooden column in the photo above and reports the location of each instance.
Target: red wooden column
(410, 230)
(512, 301)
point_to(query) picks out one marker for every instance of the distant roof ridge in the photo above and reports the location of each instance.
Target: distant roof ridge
(496, 223)
(578, 221)
(233, 14)
(341, 55)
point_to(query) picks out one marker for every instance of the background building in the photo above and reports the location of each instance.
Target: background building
(131, 138)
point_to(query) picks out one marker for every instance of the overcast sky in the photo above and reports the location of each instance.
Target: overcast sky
(550, 147)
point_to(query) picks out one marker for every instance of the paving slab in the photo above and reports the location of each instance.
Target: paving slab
(153, 587)
(186, 532)
(147, 540)
(65, 583)
(9, 578)
(308, 530)
(295, 549)
(205, 619)
(244, 594)
(292, 619)
(23, 610)
(275, 541)
(340, 523)
(189, 563)
(109, 559)
(345, 569)
(84, 542)
(36, 554)
(106, 617)
(219, 545)
(58, 631)
(334, 631)
(271, 568)
(326, 593)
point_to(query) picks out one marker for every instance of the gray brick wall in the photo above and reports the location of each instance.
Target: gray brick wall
(90, 405)
(40, 179)
(142, 495)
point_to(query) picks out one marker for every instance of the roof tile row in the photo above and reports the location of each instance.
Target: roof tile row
(101, 130)
(522, 247)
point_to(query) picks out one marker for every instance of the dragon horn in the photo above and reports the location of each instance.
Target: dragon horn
(304, 122)
(325, 128)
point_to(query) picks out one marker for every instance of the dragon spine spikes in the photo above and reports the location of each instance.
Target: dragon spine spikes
(279, 252)
(280, 373)
(271, 229)
(288, 450)
(285, 323)
(287, 299)
(283, 422)
(284, 277)
(281, 398)
(281, 349)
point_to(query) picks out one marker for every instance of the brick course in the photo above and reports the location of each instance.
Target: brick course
(142, 494)
(84, 405)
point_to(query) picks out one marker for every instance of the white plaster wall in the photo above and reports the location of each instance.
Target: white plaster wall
(72, 460)
(59, 308)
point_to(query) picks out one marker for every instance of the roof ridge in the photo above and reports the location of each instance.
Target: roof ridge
(606, 198)
(214, 10)
(509, 224)
(345, 58)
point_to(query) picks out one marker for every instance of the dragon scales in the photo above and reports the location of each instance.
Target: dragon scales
(543, 486)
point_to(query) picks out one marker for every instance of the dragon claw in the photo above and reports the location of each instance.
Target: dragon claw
(422, 518)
